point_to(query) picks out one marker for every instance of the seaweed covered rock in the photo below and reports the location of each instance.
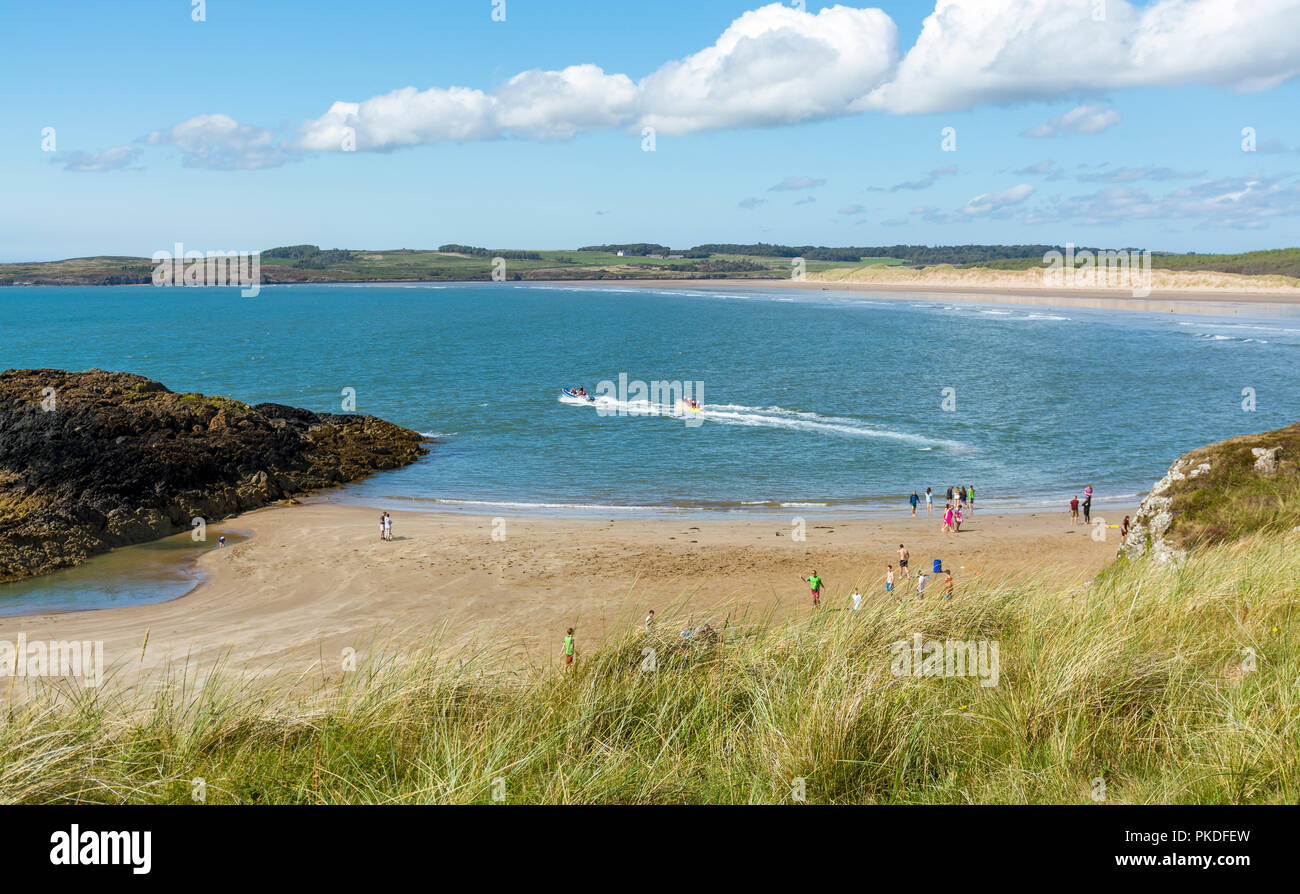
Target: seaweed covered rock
(94, 460)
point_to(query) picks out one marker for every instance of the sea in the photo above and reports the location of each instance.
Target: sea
(812, 402)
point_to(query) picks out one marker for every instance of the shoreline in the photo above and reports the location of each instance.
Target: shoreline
(1213, 302)
(313, 581)
(1176, 301)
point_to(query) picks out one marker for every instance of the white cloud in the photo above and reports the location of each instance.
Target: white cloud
(220, 142)
(778, 65)
(751, 203)
(989, 202)
(774, 65)
(1237, 202)
(852, 209)
(115, 159)
(1080, 119)
(972, 52)
(792, 183)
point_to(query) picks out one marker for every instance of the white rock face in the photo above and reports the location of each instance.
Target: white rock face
(1146, 536)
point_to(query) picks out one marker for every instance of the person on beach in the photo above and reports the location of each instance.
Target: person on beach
(947, 519)
(381, 527)
(857, 599)
(929, 502)
(920, 583)
(947, 586)
(1074, 510)
(961, 495)
(913, 499)
(903, 558)
(970, 493)
(815, 586)
(221, 541)
(568, 647)
(889, 578)
(949, 496)
(956, 519)
(388, 527)
(649, 621)
(1123, 528)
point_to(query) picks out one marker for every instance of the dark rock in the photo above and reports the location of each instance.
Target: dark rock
(109, 459)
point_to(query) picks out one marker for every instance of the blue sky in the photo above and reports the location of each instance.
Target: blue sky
(771, 123)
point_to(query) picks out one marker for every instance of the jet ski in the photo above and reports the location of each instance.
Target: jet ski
(569, 396)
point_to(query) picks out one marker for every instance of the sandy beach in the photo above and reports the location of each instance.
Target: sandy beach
(1169, 294)
(315, 579)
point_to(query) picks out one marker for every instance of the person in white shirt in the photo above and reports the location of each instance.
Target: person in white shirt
(857, 599)
(920, 583)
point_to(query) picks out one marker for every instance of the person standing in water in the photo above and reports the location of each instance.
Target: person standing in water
(970, 494)
(913, 499)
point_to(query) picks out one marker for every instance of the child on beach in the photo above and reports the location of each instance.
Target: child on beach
(649, 620)
(815, 586)
(929, 502)
(568, 647)
(947, 518)
(947, 586)
(889, 578)
(920, 583)
(956, 520)
(857, 599)
(381, 527)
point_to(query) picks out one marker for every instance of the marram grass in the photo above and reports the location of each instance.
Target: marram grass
(1173, 685)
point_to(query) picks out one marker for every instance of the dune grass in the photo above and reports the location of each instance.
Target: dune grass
(1176, 685)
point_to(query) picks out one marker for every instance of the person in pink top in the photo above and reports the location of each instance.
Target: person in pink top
(947, 518)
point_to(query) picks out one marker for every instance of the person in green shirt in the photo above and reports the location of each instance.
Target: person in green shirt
(815, 585)
(568, 647)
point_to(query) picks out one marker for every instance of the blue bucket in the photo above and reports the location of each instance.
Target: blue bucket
(938, 566)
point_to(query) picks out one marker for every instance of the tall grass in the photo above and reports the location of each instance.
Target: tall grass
(1139, 677)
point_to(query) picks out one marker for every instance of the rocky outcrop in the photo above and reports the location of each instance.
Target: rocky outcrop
(94, 460)
(1218, 492)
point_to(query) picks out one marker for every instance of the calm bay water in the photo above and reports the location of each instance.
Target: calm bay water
(811, 399)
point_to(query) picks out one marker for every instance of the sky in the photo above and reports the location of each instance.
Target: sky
(230, 125)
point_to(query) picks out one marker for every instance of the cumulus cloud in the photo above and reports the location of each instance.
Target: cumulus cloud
(990, 202)
(774, 65)
(972, 52)
(115, 159)
(751, 203)
(1080, 119)
(778, 65)
(791, 183)
(221, 143)
(852, 209)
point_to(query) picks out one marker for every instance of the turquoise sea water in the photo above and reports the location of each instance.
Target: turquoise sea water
(817, 401)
